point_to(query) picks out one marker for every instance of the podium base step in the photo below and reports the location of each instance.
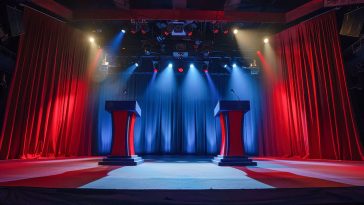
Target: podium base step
(233, 161)
(132, 160)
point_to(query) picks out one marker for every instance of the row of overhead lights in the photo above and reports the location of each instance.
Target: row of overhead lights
(235, 31)
(181, 69)
(170, 65)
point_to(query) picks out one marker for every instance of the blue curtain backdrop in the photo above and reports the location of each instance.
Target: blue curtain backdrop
(177, 109)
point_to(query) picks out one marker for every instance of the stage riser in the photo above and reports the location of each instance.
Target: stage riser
(121, 163)
(122, 160)
(233, 161)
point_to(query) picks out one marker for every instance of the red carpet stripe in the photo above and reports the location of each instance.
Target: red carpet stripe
(281, 179)
(71, 179)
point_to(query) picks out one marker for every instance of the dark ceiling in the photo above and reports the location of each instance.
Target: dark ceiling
(217, 5)
(104, 19)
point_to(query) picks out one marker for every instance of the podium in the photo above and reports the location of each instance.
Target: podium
(231, 115)
(124, 114)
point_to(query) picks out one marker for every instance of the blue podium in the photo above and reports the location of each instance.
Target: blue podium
(124, 114)
(231, 115)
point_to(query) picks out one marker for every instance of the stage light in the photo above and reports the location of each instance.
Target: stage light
(235, 31)
(134, 28)
(215, 29)
(155, 70)
(205, 66)
(225, 66)
(266, 40)
(170, 65)
(225, 28)
(234, 65)
(191, 65)
(189, 28)
(91, 39)
(123, 31)
(136, 64)
(169, 29)
(180, 69)
(144, 28)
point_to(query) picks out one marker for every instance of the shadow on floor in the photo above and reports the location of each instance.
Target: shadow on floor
(177, 158)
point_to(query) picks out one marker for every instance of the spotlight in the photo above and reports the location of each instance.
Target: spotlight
(234, 65)
(169, 29)
(191, 65)
(123, 31)
(225, 66)
(180, 69)
(136, 64)
(91, 39)
(266, 40)
(206, 66)
(147, 50)
(144, 28)
(190, 28)
(170, 65)
(215, 30)
(155, 65)
(225, 28)
(134, 28)
(235, 31)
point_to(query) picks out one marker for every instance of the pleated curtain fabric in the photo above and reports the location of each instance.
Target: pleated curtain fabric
(307, 111)
(47, 108)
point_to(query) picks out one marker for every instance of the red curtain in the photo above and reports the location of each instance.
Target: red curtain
(307, 111)
(47, 109)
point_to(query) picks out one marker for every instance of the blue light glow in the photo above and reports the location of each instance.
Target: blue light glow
(115, 44)
(234, 65)
(123, 31)
(247, 88)
(177, 109)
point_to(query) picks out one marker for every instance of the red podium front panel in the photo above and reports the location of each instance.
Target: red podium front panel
(231, 116)
(124, 114)
(123, 133)
(232, 143)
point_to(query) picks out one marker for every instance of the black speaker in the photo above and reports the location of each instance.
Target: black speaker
(15, 20)
(353, 23)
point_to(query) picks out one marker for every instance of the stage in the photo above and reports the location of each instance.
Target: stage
(167, 179)
(180, 173)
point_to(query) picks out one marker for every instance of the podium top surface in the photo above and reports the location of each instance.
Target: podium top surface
(131, 106)
(231, 105)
